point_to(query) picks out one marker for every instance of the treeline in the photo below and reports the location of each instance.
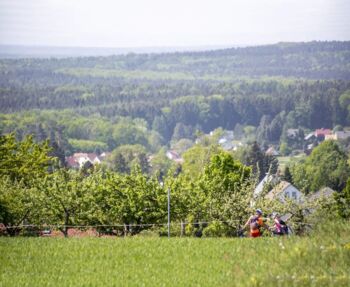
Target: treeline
(274, 105)
(213, 187)
(88, 101)
(312, 60)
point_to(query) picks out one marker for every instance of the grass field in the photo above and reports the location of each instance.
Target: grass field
(319, 260)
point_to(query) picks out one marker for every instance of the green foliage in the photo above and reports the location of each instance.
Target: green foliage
(343, 201)
(87, 145)
(22, 165)
(223, 182)
(160, 164)
(326, 166)
(196, 158)
(175, 94)
(260, 162)
(125, 157)
(61, 199)
(23, 161)
(287, 176)
(284, 149)
(216, 229)
(219, 191)
(18, 203)
(125, 133)
(344, 101)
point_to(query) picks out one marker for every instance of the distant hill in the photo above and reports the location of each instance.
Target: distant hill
(311, 60)
(16, 52)
(154, 98)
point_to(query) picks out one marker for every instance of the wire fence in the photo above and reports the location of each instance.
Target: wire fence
(134, 225)
(116, 225)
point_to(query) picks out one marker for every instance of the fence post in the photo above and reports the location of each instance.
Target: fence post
(168, 212)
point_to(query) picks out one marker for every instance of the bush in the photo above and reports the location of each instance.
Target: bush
(217, 229)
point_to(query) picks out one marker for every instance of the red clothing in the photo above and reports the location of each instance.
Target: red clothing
(255, 234)
(255, 224)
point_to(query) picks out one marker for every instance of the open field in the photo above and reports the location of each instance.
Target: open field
(319, 260)
(283, 161)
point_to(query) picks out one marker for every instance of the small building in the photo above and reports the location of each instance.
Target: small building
(94, 158)
(267, 180)
(226, 139)
(272, 151)
(104, 155)
(340, 135)
(310, 137)
(283, 191)
(174, 156)
(323, 193)
(225, 144)
(321, 134)
(71, 162)
(78, 160)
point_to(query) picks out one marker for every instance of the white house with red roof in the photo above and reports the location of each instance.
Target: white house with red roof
(322, 133)
(78, 160)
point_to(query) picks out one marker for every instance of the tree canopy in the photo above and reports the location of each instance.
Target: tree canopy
(326, 166)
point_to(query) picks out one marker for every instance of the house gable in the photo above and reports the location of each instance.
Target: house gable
(285, 190)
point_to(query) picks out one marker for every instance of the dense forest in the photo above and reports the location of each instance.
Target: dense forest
(139, 106)
(89, 103)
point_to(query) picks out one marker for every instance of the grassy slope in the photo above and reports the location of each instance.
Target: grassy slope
(321, 260)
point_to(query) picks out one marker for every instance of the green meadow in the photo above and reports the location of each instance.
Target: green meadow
(320, 259)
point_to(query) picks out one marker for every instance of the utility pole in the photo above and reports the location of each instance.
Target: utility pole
(168, 212)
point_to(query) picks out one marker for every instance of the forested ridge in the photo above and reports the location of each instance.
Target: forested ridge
(173, 95)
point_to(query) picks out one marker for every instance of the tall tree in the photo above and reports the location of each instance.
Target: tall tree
(260, 162)
(326, 166)
(343, 201)
(224, 183)
(62, 199)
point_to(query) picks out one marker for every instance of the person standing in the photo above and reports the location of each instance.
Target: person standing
(280, 227)
(255, 223)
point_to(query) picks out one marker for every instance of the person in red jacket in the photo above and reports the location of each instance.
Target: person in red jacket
(255, 223)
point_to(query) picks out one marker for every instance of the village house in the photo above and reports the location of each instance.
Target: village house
(269, 179)
(314, 138)
(285, 190)
(78, 160)
(226, 139)
(321, 134)
(324, 193)
(174, 156)
(310, 137)
(272, 151)
(340, 135)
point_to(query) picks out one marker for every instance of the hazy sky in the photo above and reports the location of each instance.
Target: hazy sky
(134, 23)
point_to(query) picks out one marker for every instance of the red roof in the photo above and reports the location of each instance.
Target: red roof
(322, 132)
(92, 156)
(71, 162)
